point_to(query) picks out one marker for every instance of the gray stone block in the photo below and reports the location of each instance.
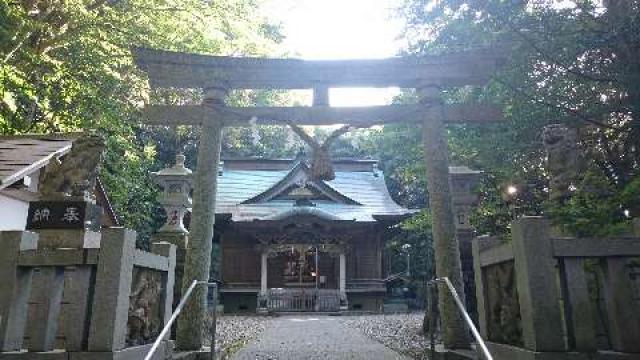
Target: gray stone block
(68, 239)
(110, 308)
(150, 261)
(538, 291)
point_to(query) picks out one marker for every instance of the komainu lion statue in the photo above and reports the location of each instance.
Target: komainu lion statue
(76, 174)
(563, 160)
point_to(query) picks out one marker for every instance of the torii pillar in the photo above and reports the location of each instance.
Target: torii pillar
(198, 256)
(445, 243)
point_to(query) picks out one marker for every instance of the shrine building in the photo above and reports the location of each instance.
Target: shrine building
(290, 243)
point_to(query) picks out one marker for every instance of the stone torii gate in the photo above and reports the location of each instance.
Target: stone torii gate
(215, 76)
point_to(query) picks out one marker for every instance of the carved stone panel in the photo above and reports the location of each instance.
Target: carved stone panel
(145, 308)
(503, 308)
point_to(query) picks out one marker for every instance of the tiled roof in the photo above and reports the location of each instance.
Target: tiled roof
(364, 187)
(22, 155)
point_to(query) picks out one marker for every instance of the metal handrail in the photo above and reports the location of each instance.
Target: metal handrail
(483, 346)
(175, 314)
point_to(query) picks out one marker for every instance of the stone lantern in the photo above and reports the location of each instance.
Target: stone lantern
(176, 182)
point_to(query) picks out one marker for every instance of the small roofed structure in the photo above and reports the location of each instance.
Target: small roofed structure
(23, 159)
(299, 244)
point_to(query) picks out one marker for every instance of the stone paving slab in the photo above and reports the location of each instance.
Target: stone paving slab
(313, 337)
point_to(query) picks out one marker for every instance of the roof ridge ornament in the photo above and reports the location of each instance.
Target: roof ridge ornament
(321, 164)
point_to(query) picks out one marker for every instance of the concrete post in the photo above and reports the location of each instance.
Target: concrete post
(263, 273)
(46, 303)
(198, 257)
(168, 250)
(447, 252)
(110, 308)
(538, 292)
(624, 322)
(15, 288)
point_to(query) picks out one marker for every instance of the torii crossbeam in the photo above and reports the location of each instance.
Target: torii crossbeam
(217, 75)
(177, 70)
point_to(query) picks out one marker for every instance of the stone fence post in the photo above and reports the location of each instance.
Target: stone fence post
(110, 309)
(168, 250)
(538, 291)
(622, 309)
(179, 240)
(15, 288)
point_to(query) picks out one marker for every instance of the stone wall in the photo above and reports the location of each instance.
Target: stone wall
(80, 301)
(545, 296)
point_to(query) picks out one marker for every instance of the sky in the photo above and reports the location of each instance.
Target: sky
(340, 29)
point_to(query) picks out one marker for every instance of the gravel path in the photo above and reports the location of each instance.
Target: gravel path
(233, 332)
(401, 332)
(313, 337)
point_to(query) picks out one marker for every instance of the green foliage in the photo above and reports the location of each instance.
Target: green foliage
(576, 65)
(595, 207)
(67, 66)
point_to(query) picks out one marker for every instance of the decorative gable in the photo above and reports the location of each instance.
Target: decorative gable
(298, 185)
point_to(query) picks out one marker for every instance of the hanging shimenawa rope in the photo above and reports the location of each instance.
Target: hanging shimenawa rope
(321, 166)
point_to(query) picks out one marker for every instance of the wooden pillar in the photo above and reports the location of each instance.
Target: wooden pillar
(263, 272)
(198, 255)
(445, 244)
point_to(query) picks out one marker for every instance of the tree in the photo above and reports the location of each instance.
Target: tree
(576, 65)
(67, 66)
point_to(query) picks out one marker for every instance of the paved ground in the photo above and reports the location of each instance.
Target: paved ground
(313, 337)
